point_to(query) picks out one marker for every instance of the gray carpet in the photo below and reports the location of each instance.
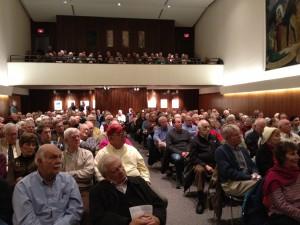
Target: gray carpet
(181, 209)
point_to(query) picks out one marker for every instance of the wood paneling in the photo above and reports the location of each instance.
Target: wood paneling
(49, 31)
(269, 102)
(182, 44)
(72, 33)
(4, 105)
(120, 98)
(112, 99)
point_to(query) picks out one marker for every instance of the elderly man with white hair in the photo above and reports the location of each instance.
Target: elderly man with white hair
(112, 198)
(79, 163)
(237, 172)
(9, 145)
(47, 196)
(286, 133)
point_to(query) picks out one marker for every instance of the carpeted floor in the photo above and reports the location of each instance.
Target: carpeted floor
(181, 209)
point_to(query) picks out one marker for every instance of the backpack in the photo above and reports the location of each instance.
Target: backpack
(253, 210)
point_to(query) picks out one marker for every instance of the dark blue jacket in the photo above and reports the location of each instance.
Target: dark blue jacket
(228, 166)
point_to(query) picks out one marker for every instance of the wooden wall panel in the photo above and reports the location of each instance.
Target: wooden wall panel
(120, 98)
(71, 33)
(4, 105)
(269, 102)
(182, 44)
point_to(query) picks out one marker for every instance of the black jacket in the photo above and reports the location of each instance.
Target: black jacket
(264, 159)
(108, 206)
(202, 150)
(251, 141)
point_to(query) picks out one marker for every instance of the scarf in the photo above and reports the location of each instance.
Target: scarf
(278, 177)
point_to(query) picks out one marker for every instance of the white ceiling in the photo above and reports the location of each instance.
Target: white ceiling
(184, 12)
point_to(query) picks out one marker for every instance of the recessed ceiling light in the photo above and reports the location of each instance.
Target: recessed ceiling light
(169, 6)
(119, 4)
(65, 2)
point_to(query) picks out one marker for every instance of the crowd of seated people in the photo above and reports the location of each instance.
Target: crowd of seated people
(64, 56)
(70, 167)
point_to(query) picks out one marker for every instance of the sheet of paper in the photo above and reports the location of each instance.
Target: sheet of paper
(140, 210)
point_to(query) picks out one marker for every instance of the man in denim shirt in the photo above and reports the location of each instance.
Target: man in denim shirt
(47, 196)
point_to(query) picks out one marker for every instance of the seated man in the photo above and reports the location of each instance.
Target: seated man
(44, 134)
(189, 126)
(237, 172)
(286, 133)
(157, 144)
(78, 162)
(112, 198)
(178, 146)
(47, 197)
(131, 158)
(252, 138)
(86, 140)
(201, 161)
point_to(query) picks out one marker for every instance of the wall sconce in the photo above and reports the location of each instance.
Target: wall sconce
(69, 92)
(54, 92)
(90, 92)
(106, 88)
(136, 89)
(176, 91)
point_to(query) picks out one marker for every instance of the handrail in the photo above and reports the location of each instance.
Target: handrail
(89, 60)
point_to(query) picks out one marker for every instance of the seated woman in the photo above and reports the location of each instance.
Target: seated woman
(264, 156)
(24, 164)
(281, 187)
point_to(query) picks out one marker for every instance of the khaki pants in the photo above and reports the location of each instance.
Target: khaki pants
(238, 188)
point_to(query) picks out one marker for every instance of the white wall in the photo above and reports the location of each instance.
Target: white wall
(14, 33)
(113, 74)
(234, 30)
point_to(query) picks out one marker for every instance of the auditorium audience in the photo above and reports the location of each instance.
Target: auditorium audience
(281, 187)
(193, 157)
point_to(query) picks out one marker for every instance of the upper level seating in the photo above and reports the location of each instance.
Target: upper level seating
(63, 56)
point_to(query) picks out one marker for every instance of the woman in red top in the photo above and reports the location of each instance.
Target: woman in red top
(281, 189)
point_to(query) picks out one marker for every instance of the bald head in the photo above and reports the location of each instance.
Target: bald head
(259, 125)
(203, 128)
(284, 126)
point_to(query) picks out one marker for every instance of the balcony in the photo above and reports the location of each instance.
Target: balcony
(75, 74)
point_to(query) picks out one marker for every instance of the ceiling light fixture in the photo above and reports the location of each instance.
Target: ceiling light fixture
(169, 6)
(119, 4)
(65, 2)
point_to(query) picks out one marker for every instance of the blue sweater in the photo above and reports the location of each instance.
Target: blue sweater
(228, 166)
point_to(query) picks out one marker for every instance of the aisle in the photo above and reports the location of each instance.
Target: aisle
(181, 209)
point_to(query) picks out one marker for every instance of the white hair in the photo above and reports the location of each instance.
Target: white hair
(8, 127)
(70, 131)
(105, 161)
